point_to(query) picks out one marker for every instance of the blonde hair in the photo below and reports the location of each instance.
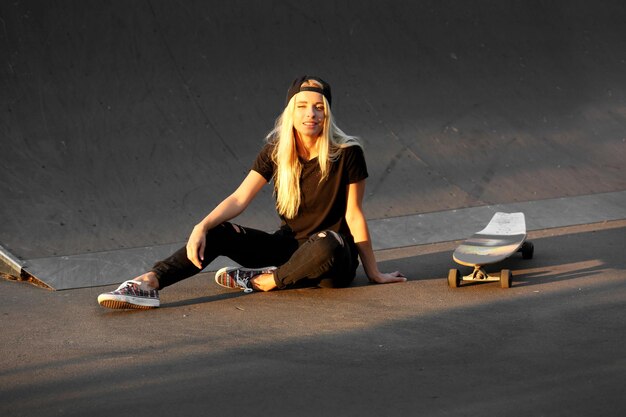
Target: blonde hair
(285, 155)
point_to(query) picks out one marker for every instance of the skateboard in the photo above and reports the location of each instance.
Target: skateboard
(504, 235)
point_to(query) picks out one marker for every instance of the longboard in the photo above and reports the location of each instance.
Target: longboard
(503, 236)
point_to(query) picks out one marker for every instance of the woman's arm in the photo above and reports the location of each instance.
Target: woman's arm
(229, 208)
(360, 232)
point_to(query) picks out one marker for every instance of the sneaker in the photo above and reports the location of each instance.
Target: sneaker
(236, 277)
(129, 295)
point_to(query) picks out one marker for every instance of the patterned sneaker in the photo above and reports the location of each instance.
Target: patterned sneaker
(236, 277)
(129, 295)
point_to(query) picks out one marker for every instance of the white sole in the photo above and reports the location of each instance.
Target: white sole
(126, 302)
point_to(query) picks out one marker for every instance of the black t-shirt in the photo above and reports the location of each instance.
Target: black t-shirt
(322, 205)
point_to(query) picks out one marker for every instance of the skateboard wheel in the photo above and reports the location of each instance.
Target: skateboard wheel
(528, 249)
(506, 278)
(454, 278)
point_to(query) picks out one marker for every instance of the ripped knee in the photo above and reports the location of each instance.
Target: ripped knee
(238, 228)
(336, 235)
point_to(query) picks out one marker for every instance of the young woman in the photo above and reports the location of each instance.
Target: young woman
(318, 173)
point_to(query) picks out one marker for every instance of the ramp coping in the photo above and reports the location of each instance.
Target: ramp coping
(10, 260)
(112, 267)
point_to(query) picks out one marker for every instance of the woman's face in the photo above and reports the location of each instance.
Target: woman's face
(308, 116)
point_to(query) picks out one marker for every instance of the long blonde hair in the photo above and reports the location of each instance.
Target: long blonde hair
(285, 155)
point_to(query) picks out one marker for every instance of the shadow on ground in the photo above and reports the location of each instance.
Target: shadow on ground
(550, 345)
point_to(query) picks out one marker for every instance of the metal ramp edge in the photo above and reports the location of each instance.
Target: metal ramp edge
(112, 267)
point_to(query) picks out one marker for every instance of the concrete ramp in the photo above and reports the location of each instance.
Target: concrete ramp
(123, 123)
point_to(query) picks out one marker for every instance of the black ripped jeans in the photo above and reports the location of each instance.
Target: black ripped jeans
(327, 258)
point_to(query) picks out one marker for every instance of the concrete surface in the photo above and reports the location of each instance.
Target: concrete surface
(552, 345)
(122, 123)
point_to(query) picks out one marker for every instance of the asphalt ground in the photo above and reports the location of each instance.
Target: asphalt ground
(552, 345)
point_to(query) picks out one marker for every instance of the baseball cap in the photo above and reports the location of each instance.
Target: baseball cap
(296, 87)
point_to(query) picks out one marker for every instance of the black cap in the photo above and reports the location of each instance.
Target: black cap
(296, 88)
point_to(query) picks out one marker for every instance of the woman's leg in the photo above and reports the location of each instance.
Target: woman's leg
(327, 258)
(250, 248)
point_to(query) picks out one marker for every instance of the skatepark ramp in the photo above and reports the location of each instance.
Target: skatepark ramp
(123, 123)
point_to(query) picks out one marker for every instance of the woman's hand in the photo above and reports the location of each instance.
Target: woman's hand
(388, 278)
(196, 245)
(230, 207)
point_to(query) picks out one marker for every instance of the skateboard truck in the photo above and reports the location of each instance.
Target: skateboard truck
(479, 274)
